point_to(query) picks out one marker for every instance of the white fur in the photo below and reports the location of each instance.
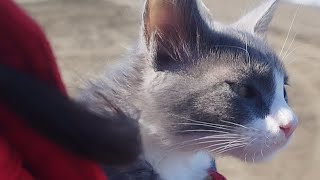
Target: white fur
(184, 166)
(281, 115)
(280, 111)
(175, 165)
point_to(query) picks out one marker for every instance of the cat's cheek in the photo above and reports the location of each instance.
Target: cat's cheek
(273, 132)
(268, 129)
(264, 140)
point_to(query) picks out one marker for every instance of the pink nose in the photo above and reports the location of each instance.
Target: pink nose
(288, 129)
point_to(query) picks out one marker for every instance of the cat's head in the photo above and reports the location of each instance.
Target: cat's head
(217, 87)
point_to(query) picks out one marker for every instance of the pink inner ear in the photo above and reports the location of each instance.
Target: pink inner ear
(162, 17)
(161, 13)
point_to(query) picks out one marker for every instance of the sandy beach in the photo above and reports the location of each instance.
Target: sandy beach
(88, 35)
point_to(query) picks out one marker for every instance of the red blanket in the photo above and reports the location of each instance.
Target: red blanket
(24, 154)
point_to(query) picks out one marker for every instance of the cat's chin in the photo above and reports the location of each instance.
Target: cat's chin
(251, 157)
(257, 155)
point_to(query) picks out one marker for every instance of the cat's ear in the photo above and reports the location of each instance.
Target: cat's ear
(257, 21)
(172, 28)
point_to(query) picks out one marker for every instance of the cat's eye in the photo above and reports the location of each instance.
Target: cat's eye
(247, 92)
(244, 91)
(285, 94)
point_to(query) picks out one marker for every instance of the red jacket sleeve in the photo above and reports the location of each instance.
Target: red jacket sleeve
(24, 46)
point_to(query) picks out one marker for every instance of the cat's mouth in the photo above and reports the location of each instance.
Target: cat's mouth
(260, 146)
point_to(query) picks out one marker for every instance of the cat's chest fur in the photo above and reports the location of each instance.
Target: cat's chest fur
(174, 167)
(175, 164)
(184, 166)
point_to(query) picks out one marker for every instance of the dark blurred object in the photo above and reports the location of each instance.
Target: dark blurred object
(111, 139)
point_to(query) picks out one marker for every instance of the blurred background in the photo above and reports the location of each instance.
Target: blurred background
(88, 35)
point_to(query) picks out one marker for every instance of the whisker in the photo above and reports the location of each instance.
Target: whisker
(249, 144)
(192, 120)
(286, 53)
(265, 141)
(245, 157)
(195, 143)
(245, 149)
(222, 142)
(202, 130)
(249, 58)
(219, 144)
(239, 125)
(236, 146)
(232, 143)
(291, 53)
(220, 136)
(206, 142)
(261, 153)
(254, 155)
(228, 143)
(288, 34)
(208, 125)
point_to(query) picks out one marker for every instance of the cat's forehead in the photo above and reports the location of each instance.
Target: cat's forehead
(241, 53)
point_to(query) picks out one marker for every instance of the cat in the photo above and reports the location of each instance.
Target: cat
(203, 88)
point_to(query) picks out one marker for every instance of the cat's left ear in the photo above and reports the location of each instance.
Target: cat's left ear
(257, 21)
(174, 28)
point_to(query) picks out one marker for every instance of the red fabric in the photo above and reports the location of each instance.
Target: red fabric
(24, 46)
(216, 176)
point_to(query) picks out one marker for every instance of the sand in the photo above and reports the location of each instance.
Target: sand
(88, 35)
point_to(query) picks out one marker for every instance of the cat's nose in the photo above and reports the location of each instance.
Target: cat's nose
(288, 129)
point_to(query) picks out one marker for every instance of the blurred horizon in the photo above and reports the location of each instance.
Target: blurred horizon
(306, 2)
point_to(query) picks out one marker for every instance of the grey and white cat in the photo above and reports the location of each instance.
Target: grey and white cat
(202, 88)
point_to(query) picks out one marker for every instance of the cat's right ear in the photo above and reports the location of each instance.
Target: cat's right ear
(258, 20)
(172, 28)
